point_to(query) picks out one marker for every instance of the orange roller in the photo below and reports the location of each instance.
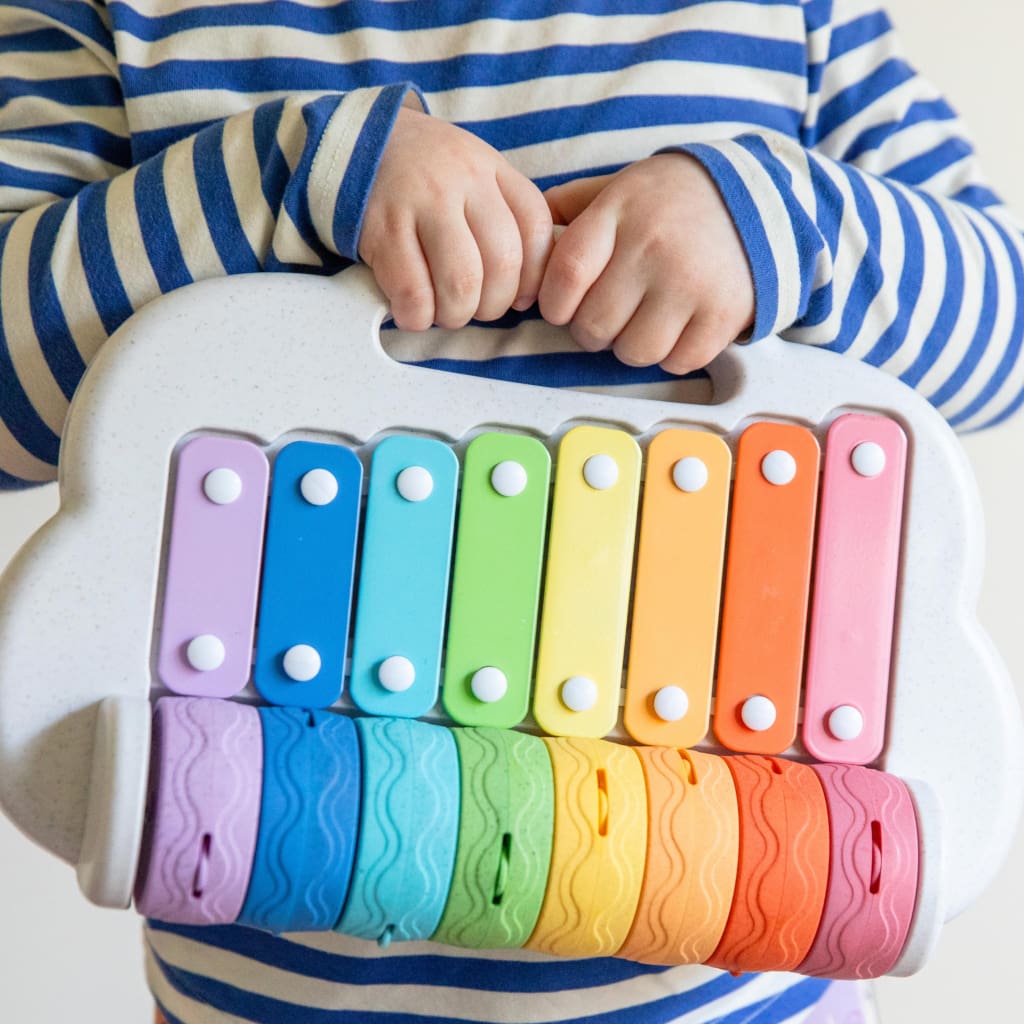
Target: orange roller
(692, 850)
(783, 866)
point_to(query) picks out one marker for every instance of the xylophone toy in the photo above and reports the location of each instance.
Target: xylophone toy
(322, 641)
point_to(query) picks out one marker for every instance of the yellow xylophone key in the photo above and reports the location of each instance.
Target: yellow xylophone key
(587, 583)
(677, 588)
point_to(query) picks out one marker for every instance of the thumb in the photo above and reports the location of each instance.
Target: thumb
(569, 200)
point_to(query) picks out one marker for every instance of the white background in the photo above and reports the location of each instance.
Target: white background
(63, 960)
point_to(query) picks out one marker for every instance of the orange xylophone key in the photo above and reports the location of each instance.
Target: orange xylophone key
(764, 612)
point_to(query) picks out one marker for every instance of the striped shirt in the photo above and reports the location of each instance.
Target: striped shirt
(147, 144)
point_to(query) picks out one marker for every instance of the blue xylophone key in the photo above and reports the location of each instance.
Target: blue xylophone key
(403, 579)
(306, 596)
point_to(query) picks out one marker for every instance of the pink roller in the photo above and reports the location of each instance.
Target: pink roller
(203, 811)
(873, 869)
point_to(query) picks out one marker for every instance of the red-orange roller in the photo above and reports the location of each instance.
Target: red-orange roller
(783, 866)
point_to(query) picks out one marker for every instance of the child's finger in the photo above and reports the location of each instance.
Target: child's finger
(501, 255)
(608, 307)
(576, 262)
(402, 273)
(533, 218)
(568, 200)
(703, 338)
(653, 331)
(456, 269)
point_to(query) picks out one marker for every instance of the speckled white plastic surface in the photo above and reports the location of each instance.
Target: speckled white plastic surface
(260, 357)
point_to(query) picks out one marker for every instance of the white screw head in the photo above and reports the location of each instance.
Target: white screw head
(396, 674)
(868, 458)
(301, 663)
(579, 693)
(778, 467)
(319, 487)
(758, 713)
(222, 486)
(845, 722)
(690, 474)
(671, 703)
(508, 478)
(601, 472)
(415, 483)
(489, 684)
(205, 653)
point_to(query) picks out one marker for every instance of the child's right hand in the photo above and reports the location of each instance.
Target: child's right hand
(452, 231)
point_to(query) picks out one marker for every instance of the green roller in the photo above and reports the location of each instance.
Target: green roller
(504, 845)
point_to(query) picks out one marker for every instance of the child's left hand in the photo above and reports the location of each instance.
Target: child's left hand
(649, 264)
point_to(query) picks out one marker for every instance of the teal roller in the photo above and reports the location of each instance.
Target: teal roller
(407, 836)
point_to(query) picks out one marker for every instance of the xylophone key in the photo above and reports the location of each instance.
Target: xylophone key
(587, 583)
(764, 611)
(677, 588)
(403, 579)
(213, 567)
(499, 552)
(309, 562)
(849, 651)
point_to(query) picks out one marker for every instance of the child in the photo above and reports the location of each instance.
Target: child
(724, 169)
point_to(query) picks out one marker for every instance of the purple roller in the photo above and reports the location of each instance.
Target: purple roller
(203, 811)
(215, 547)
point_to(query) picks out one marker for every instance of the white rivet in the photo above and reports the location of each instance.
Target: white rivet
(489, 684)
(868, 458)
(414, 483)
(845, 722)
(601, 472)
(301, 663)
(222, 486)
(319, 487)
(205, 653)
(508, 478)
(778, 467)
(396, 674)
(758, 713)
(579, 693)
(690, 474)
(671, 703)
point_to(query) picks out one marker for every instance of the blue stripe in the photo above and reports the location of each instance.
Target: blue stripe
(1012, 408)
(51, 327)
(849, 102)
(150, 143)
(274, 169)
(22, 420)
(747, 219)
(345, 16)
(979, 343)
(791, 1001)
(13, 483)
(817, 14)
(857, 33)
(1011, 354)
(908, 291)
(41, 40)
(157, 228)
(920, 168)
(485, 70)
(978, 196)
(79, 135)
(265, 1010)
(218, 202)
(352, 196)
(920, 112)
(83, 91)
(830, 204)
(81, 18)
(949, 310)
(39, 181)
(108, 294)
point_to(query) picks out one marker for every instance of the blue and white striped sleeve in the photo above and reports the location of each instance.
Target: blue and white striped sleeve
(86, 239)
(875, 234)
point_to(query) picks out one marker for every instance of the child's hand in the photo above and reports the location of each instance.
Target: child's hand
(650, 264)
(452, 231)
